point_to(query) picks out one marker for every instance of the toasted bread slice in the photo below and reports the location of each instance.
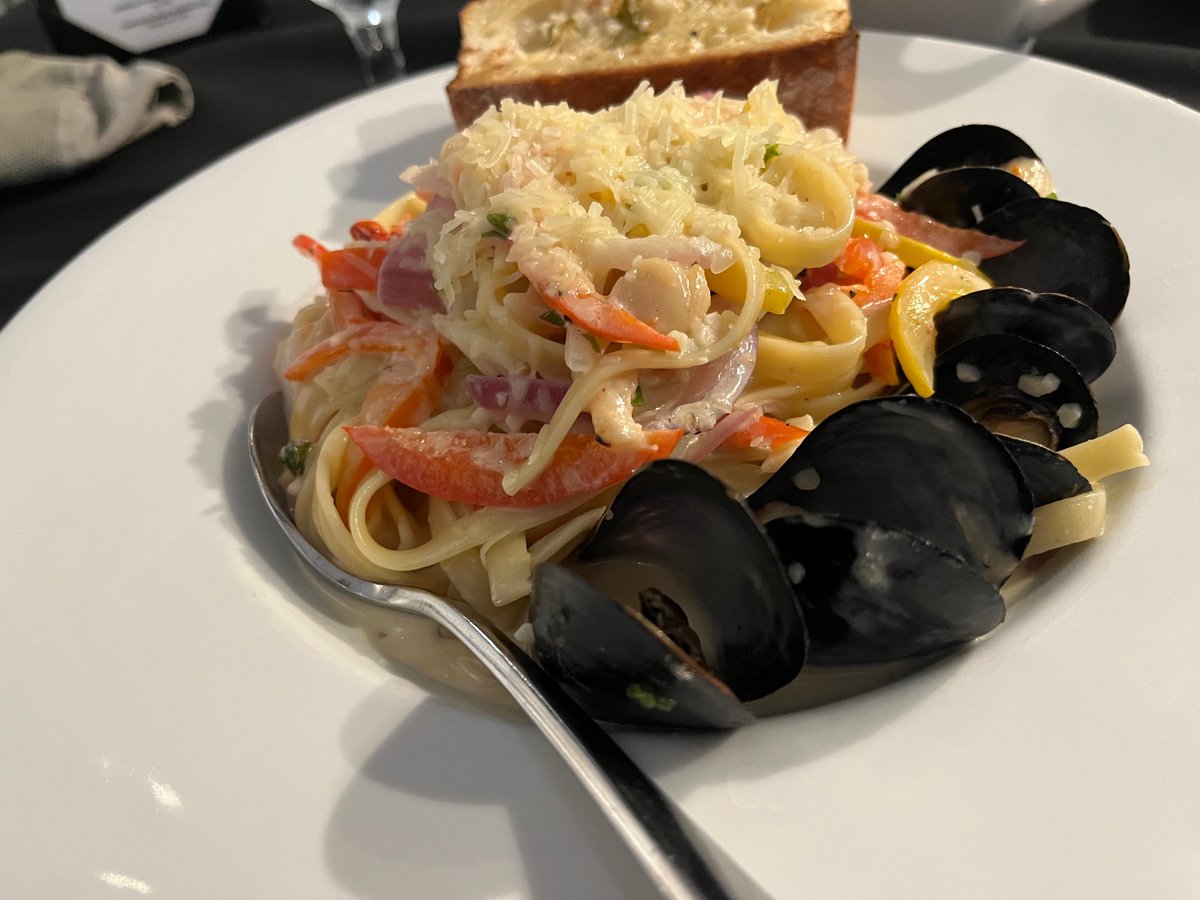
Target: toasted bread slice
(593, 53)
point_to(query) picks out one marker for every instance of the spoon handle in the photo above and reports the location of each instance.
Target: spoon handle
(629, 800)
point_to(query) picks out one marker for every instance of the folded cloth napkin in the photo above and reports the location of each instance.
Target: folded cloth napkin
(58, 113)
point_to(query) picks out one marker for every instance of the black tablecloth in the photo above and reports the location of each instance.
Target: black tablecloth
(248, 82)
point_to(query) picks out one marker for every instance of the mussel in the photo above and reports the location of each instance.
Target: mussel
(1057, 321)
(876, 594)
(923, 466)
(674, 530)
(966, 145)
(1018, 387)
(1064, 249)
(621, 665)
(965, 197)
(1049, 476)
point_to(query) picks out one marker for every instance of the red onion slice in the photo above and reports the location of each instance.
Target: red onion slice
(708, 441)
(707, 392)
(535, 399)
(961, 242)
(405, 281)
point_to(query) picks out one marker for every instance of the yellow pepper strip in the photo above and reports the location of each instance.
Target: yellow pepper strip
(731, 284)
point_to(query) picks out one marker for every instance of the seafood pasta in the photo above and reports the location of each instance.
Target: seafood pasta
(567, 296)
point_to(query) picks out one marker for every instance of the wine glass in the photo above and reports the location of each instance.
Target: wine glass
(371, 25)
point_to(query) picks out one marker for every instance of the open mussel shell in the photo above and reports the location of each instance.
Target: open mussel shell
(1063, 249)
(672, 530)
(964, 197)
(1018, 387)
(1050, 476)
(674, 515)
(876, 594)
(617, 664)
(966, 145)
(919, 465)
(1056, 321)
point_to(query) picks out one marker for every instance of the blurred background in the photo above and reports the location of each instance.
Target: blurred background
(267, 62)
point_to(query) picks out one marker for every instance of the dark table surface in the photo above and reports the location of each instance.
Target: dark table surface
(249, 82)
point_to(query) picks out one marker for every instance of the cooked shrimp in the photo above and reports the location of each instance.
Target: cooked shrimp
(612, 413)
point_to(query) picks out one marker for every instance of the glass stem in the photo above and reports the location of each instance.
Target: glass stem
(378, 48)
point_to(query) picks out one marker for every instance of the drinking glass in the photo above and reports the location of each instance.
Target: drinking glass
(371, 25)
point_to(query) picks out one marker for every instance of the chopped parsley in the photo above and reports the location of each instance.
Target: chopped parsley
(770, 153)
(647, 699)
(591, 338)
(294, 454)
(502, 225)
(553, 318)
(638, 399)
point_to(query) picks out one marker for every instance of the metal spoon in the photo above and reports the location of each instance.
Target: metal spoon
(624, 794)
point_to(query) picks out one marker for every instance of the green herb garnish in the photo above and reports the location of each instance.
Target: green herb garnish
(294, 454)
(502, 225)
(770, 153)
(553, 318)
(592, 340)
(648, 699)
(638, 399)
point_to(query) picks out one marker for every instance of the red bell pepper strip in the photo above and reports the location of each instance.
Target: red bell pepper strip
(469, 466)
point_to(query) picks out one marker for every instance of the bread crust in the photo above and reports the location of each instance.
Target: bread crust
(816, 82)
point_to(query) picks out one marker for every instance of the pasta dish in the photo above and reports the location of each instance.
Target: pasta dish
(564, 297)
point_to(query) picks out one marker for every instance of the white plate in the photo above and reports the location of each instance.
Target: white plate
(182, 719)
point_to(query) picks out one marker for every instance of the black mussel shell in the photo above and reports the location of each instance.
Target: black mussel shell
(964, 197)
(1056, 321)
(1050, 476)
(966, 145)
(616, 664)
(1064, 249)
(876, 594)
(673, 514)
(915, 464)
(1017, 387)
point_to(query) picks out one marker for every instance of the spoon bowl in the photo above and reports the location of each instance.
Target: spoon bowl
(626, 796)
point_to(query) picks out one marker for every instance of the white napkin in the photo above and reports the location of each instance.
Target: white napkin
(58, 113)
